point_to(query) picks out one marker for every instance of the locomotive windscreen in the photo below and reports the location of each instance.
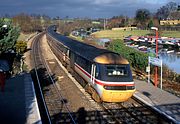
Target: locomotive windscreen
(115, 73)
(116, 70)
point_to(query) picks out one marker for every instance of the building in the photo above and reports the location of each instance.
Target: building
(170, 22)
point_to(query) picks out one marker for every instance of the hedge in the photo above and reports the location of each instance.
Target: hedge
(137, 59)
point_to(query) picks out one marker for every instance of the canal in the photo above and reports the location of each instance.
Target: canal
(172, 60)
(170, 55)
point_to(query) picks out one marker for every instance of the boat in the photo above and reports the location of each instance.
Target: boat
(178, 53)
(170, 51)
(143, 48)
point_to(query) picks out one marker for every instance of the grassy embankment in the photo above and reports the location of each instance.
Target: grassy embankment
(174, 34)
(25, 37)
(120, 34)
(76, 38)
(17, 65)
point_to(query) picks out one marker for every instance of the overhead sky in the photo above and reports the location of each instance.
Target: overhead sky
(80, 8)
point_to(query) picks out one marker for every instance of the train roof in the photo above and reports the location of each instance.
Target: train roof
(109, 58)
(87, 51)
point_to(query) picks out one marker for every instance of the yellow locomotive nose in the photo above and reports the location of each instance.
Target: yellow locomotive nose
(116, 96)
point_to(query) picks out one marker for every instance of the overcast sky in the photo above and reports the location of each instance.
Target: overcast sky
(80, 8)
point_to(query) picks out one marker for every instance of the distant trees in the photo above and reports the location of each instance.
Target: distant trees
(164, 11)
(8, 36)
(31, 23)
(24, 21)
(113, 23)
(142, 17)
(118, 21)
(178, 9)
(150, 24)
(67, 26)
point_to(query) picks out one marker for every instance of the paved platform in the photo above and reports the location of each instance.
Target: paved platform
(18, 104)
(160, 100)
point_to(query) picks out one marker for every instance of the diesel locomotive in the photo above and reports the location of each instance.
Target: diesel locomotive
(105, 75)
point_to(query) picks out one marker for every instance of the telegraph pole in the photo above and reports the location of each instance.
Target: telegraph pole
(156, 68)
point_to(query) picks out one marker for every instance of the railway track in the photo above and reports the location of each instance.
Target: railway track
(131, 111)
(51, 100)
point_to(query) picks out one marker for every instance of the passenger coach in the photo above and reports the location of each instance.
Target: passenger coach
(105, 75)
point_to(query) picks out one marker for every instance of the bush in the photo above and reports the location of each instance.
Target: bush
(21, 47)
(137, 59)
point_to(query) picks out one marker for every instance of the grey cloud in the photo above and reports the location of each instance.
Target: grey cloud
(79, 8)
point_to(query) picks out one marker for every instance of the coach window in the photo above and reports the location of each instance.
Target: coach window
(88, 66)
(81, 61)
(97, 71)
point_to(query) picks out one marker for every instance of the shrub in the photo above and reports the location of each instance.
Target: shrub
(21, 47)
(136, 58)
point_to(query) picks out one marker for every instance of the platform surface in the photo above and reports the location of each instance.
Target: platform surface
(18, 104)
(160, 100)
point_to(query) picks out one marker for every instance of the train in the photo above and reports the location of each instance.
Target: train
(104, 74)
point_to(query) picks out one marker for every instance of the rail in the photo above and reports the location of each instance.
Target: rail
(38, 59)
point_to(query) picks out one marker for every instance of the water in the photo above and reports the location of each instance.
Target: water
(172, 60)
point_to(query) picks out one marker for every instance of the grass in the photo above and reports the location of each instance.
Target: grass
(175, 34)
(24, 37)
(121, 34)
(76, 38)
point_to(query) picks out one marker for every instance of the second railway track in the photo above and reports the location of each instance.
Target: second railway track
(51, 97)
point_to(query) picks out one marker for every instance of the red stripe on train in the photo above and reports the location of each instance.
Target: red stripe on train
(104, 84)
(99, 82)
(86, 73)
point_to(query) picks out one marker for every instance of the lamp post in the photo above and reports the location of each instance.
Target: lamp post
(156, 68)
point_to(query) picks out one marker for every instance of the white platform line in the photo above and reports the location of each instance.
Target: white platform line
(32, 109)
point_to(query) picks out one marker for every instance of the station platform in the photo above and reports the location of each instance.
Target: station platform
(18, 103)
(160, 100)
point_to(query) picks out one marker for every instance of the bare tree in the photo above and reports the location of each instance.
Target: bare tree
(31, 23)
(24, 21)
(164, 11)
